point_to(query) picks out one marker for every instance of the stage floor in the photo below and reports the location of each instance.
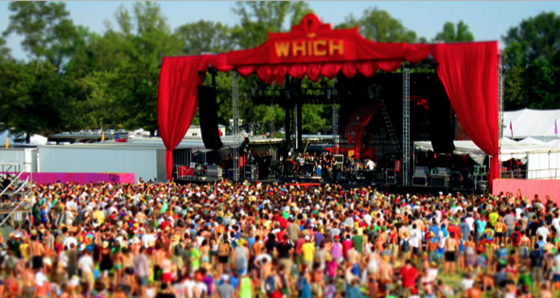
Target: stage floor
(380, 185)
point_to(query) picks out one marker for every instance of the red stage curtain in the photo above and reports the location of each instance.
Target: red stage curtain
(417, 52)
(349, 69)
(178, 100)
(314, 71)
(469, 72)
(298, 71)
(390, 66)
(280, 72)
(246, 70)
(330, 70)
(265, 73)
(368, 68)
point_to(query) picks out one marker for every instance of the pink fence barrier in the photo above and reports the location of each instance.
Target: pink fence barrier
(83, 178)
(529, 188)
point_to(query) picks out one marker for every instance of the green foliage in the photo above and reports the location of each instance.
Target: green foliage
(534, 39)
(379, 25)
(258, 18)
(204, 36)
(317, 118)
(451, 33)
(4, 51)
(514, 89)
(78, 79)
(34, 99)
(48, 32)
(532, 58)
(542, 85)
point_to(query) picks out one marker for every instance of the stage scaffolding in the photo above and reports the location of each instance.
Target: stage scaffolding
(235, 106)
(406, 126)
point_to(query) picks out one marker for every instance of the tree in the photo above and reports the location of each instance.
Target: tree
(35, 99)
(532, 59)
(4, 51)
(534, 39)
(47, 30)
(121, 89)
(542, 85)
(379, 25)
(452, 33)
(514, 89)
(258, 18)
(204, 36)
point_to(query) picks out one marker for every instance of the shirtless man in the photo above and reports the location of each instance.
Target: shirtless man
(473, 292)
(28, 279)
(382, 239)
(451, 247)
(524, 245)
(158, 257)
(37, 252)
(386, 276)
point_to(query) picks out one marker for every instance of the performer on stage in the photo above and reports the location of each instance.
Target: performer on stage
(334, 168)
(326, 167)
(370, 167)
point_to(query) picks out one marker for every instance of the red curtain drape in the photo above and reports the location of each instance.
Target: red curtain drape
(178, 100)
(469, 72)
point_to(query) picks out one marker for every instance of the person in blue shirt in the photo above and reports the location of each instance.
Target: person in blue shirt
(435, 229)
(480, 228)
(541, 243)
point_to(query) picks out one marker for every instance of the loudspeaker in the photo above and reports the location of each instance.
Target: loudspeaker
(213, 157)
(439, 181)
(441, 119)
(208, 112)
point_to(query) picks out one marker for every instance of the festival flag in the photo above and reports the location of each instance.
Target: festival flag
(511, 128)
(555, 127)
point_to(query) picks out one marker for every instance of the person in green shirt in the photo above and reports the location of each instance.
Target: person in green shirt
(358, 242)
(246, 287)
(195, 257)
(525, 279)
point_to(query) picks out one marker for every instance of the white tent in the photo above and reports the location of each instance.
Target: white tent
(540, 124)
(543, 158)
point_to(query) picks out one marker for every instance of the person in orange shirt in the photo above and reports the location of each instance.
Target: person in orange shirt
(500, 231)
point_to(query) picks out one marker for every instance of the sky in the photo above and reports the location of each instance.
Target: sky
(487, 20)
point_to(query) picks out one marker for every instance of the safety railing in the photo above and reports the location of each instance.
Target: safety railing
(538, 174)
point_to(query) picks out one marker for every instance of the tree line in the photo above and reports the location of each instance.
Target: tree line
(78, 79)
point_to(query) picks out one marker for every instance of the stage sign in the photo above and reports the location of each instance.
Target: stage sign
(313, 41)
(397, 165)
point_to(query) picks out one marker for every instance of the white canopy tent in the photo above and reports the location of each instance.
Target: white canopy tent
(538, 124)
(543, 158)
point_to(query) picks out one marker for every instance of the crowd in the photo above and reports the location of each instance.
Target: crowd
(249, 240)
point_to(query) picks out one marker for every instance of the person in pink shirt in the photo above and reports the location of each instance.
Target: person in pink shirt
(337, 250)
(346, 245)
(299, 254)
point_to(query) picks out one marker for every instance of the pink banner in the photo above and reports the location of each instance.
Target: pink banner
(529, 188)
(82, 178)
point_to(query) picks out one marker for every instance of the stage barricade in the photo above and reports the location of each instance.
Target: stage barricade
(529, 188)
(43, 178)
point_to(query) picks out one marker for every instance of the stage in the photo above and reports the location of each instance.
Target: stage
(316, 180)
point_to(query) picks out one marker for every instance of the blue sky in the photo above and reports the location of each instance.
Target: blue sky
(488, 20)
